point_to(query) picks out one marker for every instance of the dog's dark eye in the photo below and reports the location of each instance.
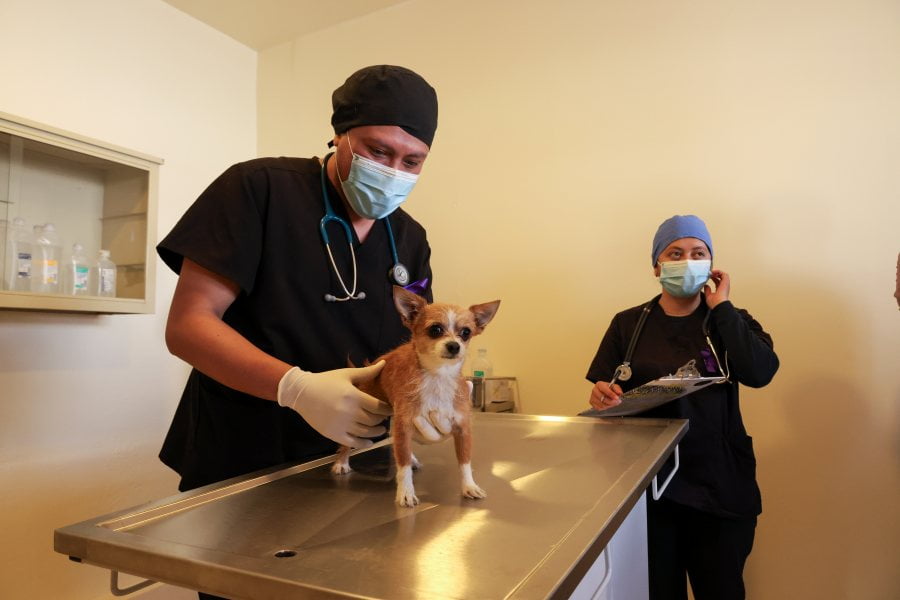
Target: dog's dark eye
(436, 331)
(465, 333)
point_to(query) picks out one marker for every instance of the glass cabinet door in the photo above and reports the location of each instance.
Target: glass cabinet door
(77, 218)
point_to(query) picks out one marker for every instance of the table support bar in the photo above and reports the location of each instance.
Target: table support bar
(117, 591)
(657, 494)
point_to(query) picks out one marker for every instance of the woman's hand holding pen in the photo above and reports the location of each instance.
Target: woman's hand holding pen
(604, 396)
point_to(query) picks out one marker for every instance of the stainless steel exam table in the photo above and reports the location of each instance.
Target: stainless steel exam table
(558, 488)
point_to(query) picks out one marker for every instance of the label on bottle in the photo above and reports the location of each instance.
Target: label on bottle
(49, 271)
(478, 373)
(107, 281)
(23, 265)
(81, 278)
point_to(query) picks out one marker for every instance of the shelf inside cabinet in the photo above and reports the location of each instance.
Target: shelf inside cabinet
(97, 195)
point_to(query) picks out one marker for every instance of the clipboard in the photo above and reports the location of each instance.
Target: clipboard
(658, 392)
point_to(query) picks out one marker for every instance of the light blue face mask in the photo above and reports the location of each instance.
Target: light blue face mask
(373, 190)
(684, 278)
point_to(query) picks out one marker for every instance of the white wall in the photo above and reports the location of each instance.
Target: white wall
(570, 129)
(85, 400)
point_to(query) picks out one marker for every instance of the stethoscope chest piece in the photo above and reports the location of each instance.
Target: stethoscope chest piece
(399, 274)
(623, 372)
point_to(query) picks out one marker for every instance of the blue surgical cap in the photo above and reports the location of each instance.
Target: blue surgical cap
(677, 227)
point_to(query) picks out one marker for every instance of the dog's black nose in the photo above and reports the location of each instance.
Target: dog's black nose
(452, 348)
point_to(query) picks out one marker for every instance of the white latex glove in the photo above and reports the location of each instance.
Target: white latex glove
(333, 406)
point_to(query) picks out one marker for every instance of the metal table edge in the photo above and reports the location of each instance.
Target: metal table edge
(587, 545)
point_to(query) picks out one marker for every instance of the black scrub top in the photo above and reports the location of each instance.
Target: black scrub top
(717, 472)
(257, 225)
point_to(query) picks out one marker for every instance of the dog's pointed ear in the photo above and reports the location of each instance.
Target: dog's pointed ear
(408, 304)
(484, 313)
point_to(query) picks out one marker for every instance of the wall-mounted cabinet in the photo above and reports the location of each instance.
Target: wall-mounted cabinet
(96, 195)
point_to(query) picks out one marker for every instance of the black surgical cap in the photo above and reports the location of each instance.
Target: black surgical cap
(386, 95)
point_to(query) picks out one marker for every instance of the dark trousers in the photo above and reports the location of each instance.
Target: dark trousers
(686, 543)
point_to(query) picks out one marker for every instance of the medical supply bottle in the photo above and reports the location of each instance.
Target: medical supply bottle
(481, 368)
(103, 276)
(45, 260)
(17, 264)
(75, 272)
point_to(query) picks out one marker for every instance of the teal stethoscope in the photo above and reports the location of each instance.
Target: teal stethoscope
(398, 273)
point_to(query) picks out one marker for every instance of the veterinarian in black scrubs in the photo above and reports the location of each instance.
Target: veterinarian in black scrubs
(268, 316)
(704, 524)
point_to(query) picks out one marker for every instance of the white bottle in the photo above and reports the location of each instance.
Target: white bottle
(75, 272)
(17, 267)
(104, 276)
(45, 260)
(481, 366)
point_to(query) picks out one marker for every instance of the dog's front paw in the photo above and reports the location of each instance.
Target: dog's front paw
(407, 497)
(416, 464)
(340, 467)
(471, 490)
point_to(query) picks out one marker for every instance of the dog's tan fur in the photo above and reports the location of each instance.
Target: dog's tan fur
(423, 379)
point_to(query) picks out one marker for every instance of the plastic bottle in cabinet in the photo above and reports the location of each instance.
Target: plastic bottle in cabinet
(104, 276)
(75, 272)
(45, 259)
(17, 264)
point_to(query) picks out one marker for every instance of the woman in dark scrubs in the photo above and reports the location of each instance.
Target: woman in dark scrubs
(704, 524)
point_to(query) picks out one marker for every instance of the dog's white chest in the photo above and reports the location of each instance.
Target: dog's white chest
(436, 395)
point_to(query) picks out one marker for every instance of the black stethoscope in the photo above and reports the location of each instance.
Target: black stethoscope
(398, 273)
(623, 371)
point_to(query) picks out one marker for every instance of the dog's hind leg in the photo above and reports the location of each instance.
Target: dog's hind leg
(341, 461)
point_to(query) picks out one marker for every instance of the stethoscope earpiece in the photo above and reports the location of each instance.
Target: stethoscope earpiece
(333, 298)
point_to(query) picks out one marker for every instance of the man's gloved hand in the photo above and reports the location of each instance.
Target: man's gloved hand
(333, 406)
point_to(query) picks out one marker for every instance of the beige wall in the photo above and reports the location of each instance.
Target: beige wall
(85, 400)
(569, 130)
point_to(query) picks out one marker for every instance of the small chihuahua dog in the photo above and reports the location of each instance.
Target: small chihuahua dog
(423, 382)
